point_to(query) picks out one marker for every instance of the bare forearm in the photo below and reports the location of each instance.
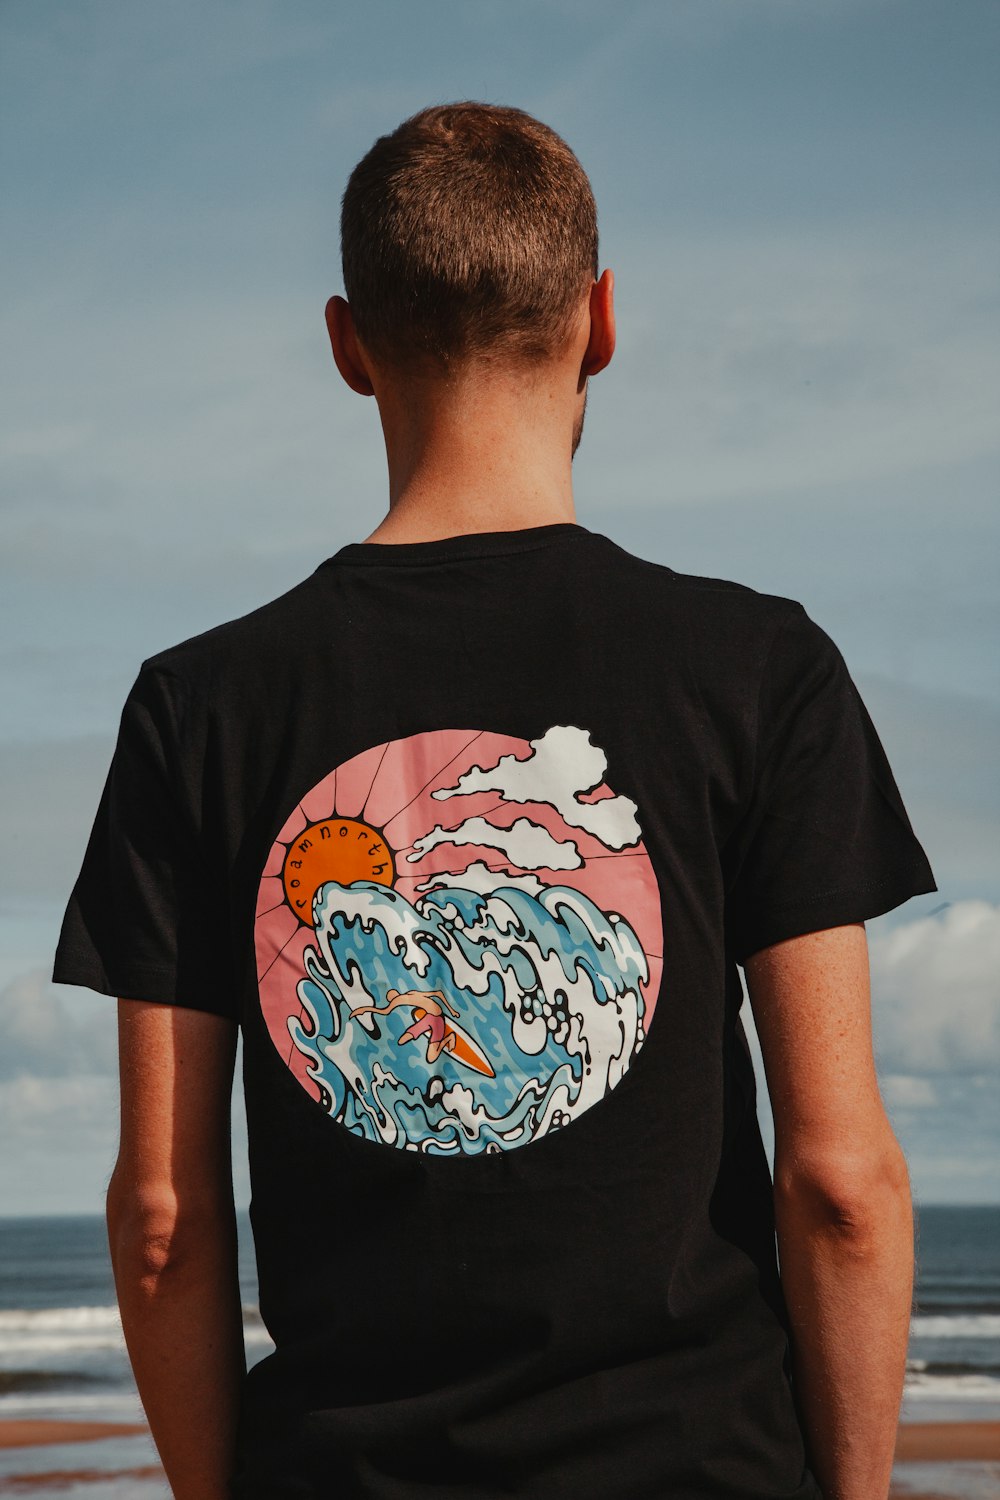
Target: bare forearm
(848, 1282)
(178, 1292)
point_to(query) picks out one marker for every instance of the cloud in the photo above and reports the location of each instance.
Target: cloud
(50, 792)
(563, 764)
(935, 1004)
(901, 1091)
(664, 34)
(524, 843)
(948, 1128)
(60, 1111)
(936, 993)
(42, 1040)
(944, 749)
(59, 1099)
(479, 877)
(767, 359)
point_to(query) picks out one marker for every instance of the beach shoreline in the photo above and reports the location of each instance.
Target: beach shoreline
(32, 1432)
(932, 1442)
(948, 1442)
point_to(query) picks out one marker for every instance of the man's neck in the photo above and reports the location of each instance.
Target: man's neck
(433, 519)
(487, 456)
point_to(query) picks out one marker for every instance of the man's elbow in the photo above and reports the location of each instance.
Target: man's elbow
(154, 1234)
(856, 1194)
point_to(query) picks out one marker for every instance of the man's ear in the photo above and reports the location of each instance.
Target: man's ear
(601, 344)
(347, 354)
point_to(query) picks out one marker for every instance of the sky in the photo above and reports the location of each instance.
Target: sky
(799, 201)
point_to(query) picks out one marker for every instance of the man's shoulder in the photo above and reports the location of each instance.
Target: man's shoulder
(705, 599)
(242, 647)
(707, 613)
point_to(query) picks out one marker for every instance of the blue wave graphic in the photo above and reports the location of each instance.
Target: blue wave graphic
(546, 986)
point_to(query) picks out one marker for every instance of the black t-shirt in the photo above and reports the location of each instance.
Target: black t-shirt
(469, 836)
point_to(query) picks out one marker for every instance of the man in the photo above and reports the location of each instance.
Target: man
(486, 754)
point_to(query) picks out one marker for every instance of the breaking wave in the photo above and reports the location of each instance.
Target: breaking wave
(546, 988)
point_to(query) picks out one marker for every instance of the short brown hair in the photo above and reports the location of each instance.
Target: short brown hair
(470, 231)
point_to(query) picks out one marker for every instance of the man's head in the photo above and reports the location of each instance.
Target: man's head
(468, 235)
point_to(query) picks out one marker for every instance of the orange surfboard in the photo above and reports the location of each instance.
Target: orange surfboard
(465, 1049)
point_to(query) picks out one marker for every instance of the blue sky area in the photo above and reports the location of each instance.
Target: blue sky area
(800, 204)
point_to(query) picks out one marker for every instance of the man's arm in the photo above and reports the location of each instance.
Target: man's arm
(172, 1234)
(842, 1205)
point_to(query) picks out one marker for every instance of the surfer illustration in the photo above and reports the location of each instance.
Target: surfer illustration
(443, 1035)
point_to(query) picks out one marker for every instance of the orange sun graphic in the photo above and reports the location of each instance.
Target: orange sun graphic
(341, 849)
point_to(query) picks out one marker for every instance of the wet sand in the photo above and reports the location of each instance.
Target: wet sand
(35, 1434)
(948, 1442)
(61, 1479)
(934, 1442)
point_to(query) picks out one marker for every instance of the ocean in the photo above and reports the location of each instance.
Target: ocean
(953, 1366)
(62, 1354)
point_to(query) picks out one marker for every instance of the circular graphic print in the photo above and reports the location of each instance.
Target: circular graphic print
(458, 939)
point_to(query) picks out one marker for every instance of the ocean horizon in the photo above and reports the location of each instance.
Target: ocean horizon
(63, 1358)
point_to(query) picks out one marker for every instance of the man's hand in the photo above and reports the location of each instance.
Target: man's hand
(842, 1205)
(172, 1234)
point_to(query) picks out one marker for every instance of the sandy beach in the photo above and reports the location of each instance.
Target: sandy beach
(937, 1442)
(36, 1434)
(948, 1442)
(931, 1442)
(898, 1494)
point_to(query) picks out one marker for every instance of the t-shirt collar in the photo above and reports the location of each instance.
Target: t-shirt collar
(450, 548)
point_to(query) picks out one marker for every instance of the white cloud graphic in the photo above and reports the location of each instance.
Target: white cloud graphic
(563, 763)
(524, 843)
(479, 877)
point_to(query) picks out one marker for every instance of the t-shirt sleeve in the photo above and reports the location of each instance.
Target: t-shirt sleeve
(145, 919)
(826, 840)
